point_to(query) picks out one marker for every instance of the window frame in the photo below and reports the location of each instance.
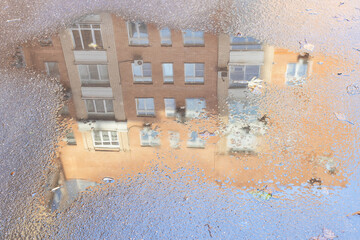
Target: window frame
(164, 39)
(194, 77)
(47, 69)
(94, 81)
(198, 143)
(296, 80)
(191, 41)
(102, 139)
(193, 113)
(92, 29)
(104, 104)
(141, 79)
(147, 113)
(166, 78)
(70, 138)
(150, 142)
(174, 139)
(244, 82)
(170, 112)
(136, 41)
(246, 44)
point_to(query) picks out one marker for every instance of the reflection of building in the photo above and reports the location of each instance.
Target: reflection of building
(126, 78)
(138, 91)
(242, 60)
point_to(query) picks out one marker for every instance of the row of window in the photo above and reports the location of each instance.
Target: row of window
(146, 106)
(194, 72)
(88, 36)
(98, 74)
(193, 107)
(239, 75)
(148, 137)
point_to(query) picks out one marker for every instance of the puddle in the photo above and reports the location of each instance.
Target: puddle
(169, 132)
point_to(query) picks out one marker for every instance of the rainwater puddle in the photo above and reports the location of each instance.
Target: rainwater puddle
(144, 130)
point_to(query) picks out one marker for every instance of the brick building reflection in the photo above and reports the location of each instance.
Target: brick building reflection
(141, 94)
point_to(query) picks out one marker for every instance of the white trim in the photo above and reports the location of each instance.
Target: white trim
(95, 108)
(197, 79)
(170, 112)
(193, 40)
(94, 81)
(77, 27)
(151, 141)
(168, 78)
(141, 78)
(102, 141)
(102, 125)
(96, 92)
(146, 111)
(242, 82)
(167, 41)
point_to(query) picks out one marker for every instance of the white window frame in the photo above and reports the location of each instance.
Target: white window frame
(146, 111)
(198, 80)
(94, 81)
(165, 41)
(77, 27)
(48, 69)
(152, 141)
(169, 112)
(168, 78)
(243, 82)
(193, 40)
(296, 79)
(104, 103)
(111, 140)
(174, 139)
(241, 141)
(142, 78)
(70, 138)
(249, 44)
(198, 143)
(137, 40)
(194, 113)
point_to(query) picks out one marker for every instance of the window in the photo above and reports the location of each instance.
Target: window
(45, 42)
(87, 36)
(138, 34)
(296, 73)
(93, 74)
(243, 112)
(240, 75)
(105, 139)
(193, 37)
(168, 72)
(149, 137)
(52, 69)
(194, 107)
(239, 140)
(244, 43)
(195, 141)
(170, 107)
(70, 138)
(142, 73)
(165, 35)
(145, 107)
(174, 138)
(194, 73)
(99, 106)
